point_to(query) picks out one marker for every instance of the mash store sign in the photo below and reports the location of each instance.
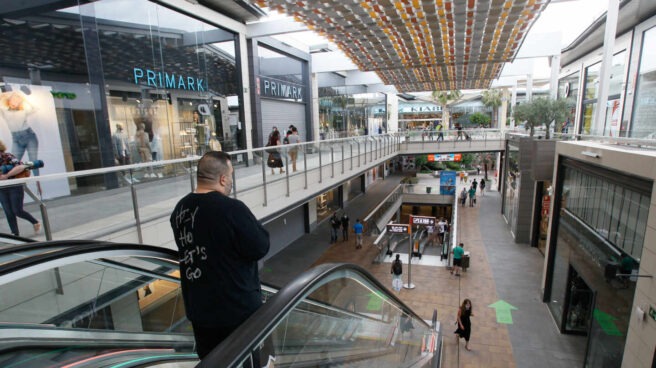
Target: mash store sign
(422, 220)
(398, 228)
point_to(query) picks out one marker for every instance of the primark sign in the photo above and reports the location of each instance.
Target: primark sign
(272, 88)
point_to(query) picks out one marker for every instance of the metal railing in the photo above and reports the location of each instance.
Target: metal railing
(134, 196)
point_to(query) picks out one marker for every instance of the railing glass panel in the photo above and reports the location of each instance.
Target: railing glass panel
(345, 319)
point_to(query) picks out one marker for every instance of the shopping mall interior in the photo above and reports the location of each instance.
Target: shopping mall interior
(408, 183)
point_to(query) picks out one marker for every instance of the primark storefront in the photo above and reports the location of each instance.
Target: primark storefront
(115, 82)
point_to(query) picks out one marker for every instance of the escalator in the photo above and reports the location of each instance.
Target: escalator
(97, 304)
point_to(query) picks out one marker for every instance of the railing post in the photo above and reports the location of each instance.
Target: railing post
(332, 162)
(135, 208)
(44, 212)
(359, 154)
(351, 147)
(342, 158)
(320, 169)
(234, 184)
(305, 164)
(191, 176)
(264, 178)
(287, 169)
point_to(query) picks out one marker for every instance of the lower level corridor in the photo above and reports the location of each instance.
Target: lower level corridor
(500, 270)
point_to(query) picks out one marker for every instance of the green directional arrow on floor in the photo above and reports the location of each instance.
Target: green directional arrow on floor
(606, 322)
(503, 311)
(375, 301)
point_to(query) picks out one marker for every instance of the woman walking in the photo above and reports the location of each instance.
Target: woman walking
(12, 197)
(275, 159)
(464, 324)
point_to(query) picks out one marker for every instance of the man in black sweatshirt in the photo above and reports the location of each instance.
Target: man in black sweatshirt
(219, 243)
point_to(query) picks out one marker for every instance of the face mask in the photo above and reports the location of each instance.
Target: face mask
(467, 307)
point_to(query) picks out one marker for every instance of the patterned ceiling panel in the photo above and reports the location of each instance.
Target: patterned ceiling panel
(421, 45)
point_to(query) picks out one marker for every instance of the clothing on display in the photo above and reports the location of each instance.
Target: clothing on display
(143, 145)
(15, 110)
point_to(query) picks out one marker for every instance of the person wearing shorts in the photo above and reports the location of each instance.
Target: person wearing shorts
(458, 253)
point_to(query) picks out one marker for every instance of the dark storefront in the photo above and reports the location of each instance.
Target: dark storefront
(280, 89)
(599, 224)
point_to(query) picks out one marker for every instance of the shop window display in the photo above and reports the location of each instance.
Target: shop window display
(644, 109)
(327, 203)
(343, 113)
(599, 234)
(103, 69)
(511, 195)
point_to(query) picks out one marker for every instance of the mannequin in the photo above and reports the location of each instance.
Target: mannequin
(120, 143)
(15, 109)
(215, 145)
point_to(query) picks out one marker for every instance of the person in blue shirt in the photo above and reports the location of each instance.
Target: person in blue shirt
(458, 253)
(357, 228)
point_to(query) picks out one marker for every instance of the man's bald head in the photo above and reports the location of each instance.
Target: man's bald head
(214, 168)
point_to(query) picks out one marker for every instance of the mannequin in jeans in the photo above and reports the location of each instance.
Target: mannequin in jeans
(15, 109)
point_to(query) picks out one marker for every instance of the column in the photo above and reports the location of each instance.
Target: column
(247, 125)
(513, 103)
(315, 108)
(392, 112)
(503, 112)
(529, 87)
(606, 64)
(553, 81)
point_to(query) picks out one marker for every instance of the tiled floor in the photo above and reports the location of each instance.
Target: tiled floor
(438, 289)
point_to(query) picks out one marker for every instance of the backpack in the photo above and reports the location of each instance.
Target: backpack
(285, 140)
(397, 268)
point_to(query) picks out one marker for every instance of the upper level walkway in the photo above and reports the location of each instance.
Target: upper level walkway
(135, 208)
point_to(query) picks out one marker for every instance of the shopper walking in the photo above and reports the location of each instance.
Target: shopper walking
(463, 197)
(294, 141)
(345, 226)
(12, 197)
(440, 131)
(460, 132)
(219, 244)
(464, 323)
(397, 271)
(482, 187)
(275, 159)
(441, 229)
(334, 227)
(472, 196)
(474, 184)
(358, 230)
(458, 253)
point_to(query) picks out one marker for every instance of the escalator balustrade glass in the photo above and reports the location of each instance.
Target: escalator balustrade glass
(93, 308)
(344, 319)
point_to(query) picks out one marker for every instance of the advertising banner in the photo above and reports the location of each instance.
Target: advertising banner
(448, 182)
(445, 157)
(29, 130)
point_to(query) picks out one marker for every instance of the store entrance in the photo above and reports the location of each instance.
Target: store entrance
(578, 304)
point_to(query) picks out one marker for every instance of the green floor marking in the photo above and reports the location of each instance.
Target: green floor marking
(375, 301)
(266, 269)
(503, 311)
(606, 322)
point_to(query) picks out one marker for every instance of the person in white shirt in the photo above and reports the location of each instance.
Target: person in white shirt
(441, 229)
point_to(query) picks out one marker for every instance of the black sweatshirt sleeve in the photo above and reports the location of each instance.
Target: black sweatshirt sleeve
(253, 238)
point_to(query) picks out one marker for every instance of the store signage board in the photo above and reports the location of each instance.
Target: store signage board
(422, 220)
(272, 88)
(168, 81)
(398, 228)
(417, 108)
(446, 157)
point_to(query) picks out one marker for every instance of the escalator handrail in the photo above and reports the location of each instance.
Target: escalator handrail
(87, 247)
(243, 340)
(15, 237)
(34, 245)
